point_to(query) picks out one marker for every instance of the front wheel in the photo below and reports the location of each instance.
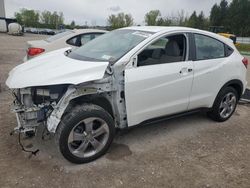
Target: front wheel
(85, 133)
(224, 105)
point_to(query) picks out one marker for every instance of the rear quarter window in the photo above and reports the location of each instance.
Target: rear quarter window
(228, 50)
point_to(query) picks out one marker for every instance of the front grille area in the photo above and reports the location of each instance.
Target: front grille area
(33, 105)
(29, 114)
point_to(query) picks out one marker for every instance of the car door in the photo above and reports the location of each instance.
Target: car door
(209, 70)
(161, 82)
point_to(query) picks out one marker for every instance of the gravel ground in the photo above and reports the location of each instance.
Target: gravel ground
(191, 151)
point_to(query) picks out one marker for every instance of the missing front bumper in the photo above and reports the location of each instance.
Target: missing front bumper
(28, 119)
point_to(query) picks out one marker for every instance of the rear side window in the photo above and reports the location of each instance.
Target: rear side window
(208, 48)
(228, 50)
(73, 41)
(88, 37)
(96, 35)
(82, 39)
(58, 36)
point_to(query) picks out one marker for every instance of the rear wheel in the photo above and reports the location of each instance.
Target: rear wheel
(85, 134)
(224, 105)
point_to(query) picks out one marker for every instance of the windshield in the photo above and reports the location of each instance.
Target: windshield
(111, 46)
(58, 36)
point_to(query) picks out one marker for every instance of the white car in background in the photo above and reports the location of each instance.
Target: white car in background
(69, 38)
(126, 77)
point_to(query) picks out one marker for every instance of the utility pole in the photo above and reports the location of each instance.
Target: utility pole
(2, 9)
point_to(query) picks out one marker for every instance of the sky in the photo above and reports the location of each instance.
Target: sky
(96, 12)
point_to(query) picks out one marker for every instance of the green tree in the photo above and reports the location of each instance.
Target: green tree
(215, 16)
(29, 18)
(219, 15)
(152, 17)
(45, 18)
(61, 18)
(193, 20)
(128, 20)
(19, 18)
(180, 19)
(224, 12)
(72, 24)
(32, 18)
(120, 20)
(54, 20)
(239, 17)
(201, 21)
(164, 22)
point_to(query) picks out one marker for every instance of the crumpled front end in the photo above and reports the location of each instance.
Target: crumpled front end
(34, 105)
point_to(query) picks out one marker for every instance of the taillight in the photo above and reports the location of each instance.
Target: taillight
(34, 51)
(245, 61)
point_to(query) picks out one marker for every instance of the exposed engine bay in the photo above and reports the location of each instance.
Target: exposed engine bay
(33, 105)
(46, 105)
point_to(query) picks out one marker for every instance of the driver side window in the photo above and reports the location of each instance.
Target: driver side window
(168, 49)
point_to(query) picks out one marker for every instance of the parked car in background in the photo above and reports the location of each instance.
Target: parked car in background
(124, 78)
(47, 32)
(69, 38)
(34, 30)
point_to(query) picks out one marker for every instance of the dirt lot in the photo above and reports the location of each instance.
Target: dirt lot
(191, 151)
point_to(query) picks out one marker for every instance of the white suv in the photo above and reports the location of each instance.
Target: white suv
(124, 78)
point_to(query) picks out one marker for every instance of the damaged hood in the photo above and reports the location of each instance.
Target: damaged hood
(55, 68)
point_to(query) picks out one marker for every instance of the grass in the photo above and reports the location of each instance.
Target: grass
(244, 48)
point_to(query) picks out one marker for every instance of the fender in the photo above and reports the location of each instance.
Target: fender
(72, 93)
(236, 84)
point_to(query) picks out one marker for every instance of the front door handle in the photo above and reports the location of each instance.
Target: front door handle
(185, 70)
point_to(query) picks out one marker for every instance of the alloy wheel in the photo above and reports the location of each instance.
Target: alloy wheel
(88, 137)
(227, 105)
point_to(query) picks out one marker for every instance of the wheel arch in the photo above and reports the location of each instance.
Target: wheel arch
(96, 99)
(236, 84)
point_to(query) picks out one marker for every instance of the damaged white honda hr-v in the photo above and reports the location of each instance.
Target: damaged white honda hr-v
(124, 78)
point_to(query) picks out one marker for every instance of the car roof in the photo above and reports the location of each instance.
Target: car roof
(79, 31)
(157, 29)
(165, 29)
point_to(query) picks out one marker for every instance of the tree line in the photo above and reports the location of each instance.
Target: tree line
(45, 19)
(234, 17)
(155, 18)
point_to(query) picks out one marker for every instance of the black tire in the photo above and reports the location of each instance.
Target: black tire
(71, 119)
(214, 114)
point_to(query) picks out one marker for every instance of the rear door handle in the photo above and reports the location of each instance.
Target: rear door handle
(190, 70)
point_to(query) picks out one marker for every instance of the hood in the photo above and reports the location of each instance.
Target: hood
(55, 68)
